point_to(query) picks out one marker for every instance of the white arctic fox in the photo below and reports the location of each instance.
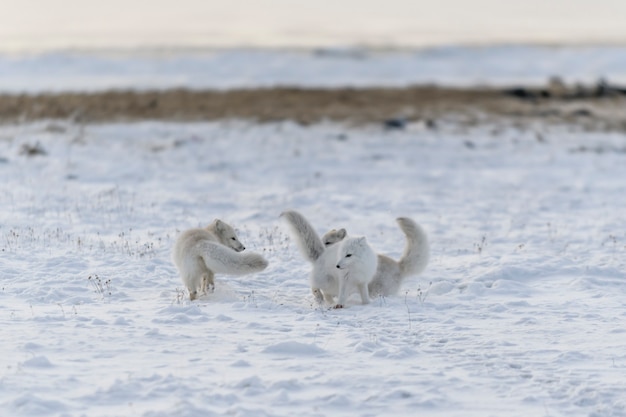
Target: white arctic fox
(324, 254)
(391, 273)
(199, 254)
(357, 263)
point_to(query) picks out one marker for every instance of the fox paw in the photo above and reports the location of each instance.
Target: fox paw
(338, 306)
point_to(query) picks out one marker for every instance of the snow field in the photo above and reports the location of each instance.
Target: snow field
(222, 69)
(520, 311)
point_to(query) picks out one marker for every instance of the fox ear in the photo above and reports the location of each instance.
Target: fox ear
(362, 240)
(341, 233)
(219, 225)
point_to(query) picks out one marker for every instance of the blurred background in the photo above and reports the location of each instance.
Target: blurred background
(35, 25)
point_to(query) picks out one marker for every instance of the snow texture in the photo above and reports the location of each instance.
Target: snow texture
(324, 67)
(520, 312)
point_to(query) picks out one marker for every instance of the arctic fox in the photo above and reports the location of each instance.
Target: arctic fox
(357, 263)
(333, 236)
(323, 255)
(199, 254)
(390, 273)
(332, 275)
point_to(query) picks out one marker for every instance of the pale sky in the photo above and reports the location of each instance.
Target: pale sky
(45, 24)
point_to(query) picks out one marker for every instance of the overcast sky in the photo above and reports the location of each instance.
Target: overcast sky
(43, 24)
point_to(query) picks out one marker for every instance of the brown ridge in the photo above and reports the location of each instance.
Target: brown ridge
(308, 105)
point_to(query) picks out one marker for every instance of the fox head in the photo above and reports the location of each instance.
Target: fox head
(226, 235)
(333, 236)
(351, 251)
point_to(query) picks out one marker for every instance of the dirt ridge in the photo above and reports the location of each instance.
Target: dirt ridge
(309, 105)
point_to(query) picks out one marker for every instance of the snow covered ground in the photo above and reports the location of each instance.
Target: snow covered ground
(520, 312)
(324, 67)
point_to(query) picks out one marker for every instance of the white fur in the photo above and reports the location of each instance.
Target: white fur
(324, 278)
(391, 273)
(333, 236)
(199, 254)
(357, 262)
(323, 253)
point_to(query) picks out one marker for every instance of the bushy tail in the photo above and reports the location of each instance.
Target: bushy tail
(223, 260)
(416, 251)
(308, 240)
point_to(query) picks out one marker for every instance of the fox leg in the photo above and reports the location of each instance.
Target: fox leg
(321, 296)
(209, 282)
(192, 285)
(343, 284)
(365, 296)
(317, 293)
(329, 298)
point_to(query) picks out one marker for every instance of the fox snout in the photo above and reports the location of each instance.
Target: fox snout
(239, 248)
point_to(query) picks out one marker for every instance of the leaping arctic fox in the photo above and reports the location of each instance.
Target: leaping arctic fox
(332, 275)
(391, 273)
(322, 255)
(199, 254)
